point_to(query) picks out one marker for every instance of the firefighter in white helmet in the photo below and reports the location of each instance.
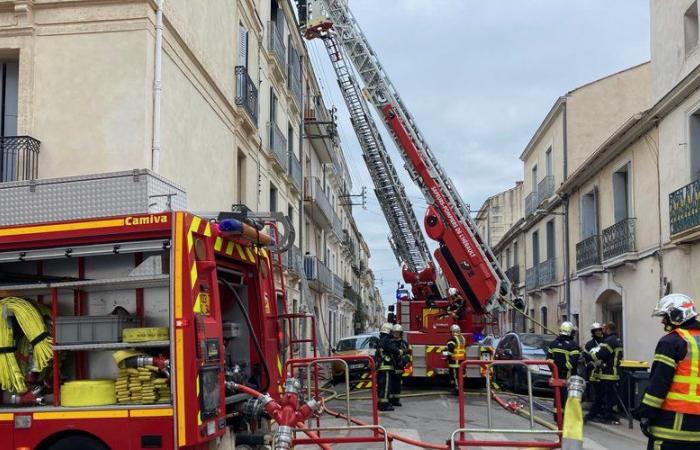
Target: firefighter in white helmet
(400, 364)
(456, 353)
(592, 373)
(387, 352)
(565, 352)
(455, 305)
(670, 411)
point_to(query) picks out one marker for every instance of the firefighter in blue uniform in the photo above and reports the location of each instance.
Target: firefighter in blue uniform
(565, 352)
(592, 372)
(387, 352)
(607, 357)
(401, 362)
(455, 353)
(670, 411)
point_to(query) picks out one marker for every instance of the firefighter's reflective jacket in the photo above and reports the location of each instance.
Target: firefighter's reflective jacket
(609, 354)
(565, 352)
(671, 401)
(406, 356)
(592, 372)
(387, 352)
(456, 350)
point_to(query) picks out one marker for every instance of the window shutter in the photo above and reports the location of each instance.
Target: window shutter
(242, 46)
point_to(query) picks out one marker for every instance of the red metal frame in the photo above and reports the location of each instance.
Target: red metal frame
(487, 365)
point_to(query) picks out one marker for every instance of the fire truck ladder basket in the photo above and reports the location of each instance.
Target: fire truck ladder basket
(455, 442)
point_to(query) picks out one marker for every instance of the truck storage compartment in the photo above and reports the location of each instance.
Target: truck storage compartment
(92, 329)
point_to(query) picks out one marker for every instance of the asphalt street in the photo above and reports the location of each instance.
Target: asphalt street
(432, 418)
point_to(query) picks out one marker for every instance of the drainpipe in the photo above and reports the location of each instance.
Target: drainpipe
(567, 256)
(302, 228)
(157, 88)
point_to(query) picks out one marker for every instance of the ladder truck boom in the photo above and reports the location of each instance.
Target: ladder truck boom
(406, 238)
(467, 262)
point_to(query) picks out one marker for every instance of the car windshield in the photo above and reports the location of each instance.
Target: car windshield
(536, 344)
(355, 343)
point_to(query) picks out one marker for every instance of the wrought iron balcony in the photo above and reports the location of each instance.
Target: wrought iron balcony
(588, 252)
(545, 189)
(276, 45)
(294, 170)
(315, 199)
(292, 260)
(531, 203)
(352, 294)
(531, 278)
(278, 145)
(684, 208)
(19, 158)
(547, 272)
(318, 274)
(338, 286)
(246, 93)
(513, 274)
(619, 239)
(338, 228)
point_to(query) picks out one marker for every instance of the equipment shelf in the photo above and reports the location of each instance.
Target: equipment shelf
(110, 346)
(106, 284)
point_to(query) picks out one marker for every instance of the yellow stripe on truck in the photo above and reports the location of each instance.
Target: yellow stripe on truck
(159, 412)
(101, 414)
(63, 227)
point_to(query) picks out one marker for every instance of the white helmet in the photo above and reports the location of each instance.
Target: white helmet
(452, 291)
(386, 328)
(596, 326)
(397, 328)
(455, 329)
(679, 308)
(567, 328)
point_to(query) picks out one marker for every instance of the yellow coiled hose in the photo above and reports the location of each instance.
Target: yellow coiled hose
(35, 330)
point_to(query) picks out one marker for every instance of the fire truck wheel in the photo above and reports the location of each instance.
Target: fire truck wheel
(78, 442)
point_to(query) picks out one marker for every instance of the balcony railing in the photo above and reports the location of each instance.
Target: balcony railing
(278, 145)
(337, 227)
(513, 274)
(588, 252)
(684, 208)
(318, 273)
(547, 272)
(294, 170)
(292, 259)
(246, 93)
(531, 203)
(352, 294)
(619, 239)
(545, 189)
(338, 286)
(531, 278)
(276, 44)
(314, 193)
(19, 158)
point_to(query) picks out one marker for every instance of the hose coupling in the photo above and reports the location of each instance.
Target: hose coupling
(284, 438)
(576, 386)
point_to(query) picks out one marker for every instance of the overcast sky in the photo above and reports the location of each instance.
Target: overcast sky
(479, 77)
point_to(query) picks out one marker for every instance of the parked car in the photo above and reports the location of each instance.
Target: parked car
(363, 344)
(519, 346)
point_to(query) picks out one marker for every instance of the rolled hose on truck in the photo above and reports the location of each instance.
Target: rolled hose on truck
(33, 325)
(88, 393)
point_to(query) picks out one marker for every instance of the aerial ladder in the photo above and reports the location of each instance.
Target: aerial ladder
(405, 238)
(466, 260)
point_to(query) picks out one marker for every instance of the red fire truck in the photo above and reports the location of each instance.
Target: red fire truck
(214, 291)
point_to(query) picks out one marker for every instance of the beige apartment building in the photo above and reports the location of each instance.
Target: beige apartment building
(222, 100)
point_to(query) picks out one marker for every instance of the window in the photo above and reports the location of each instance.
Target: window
(10, 163)
(621, 193)
(532, 326)
(273, 106)
(241, 177)
(534, 179)
(290, 140)
(515, 253)
(543, 318)
(290, 213)
(242, 46)
(548, 158)
(273, 198)
(690, 27)
(694, 145)
(589, 214)
(535, 248)
(551, 243)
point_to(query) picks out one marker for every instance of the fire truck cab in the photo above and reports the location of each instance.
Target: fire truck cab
(208, 297)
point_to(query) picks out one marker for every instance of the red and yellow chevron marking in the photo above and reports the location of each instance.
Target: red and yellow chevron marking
(435, 348)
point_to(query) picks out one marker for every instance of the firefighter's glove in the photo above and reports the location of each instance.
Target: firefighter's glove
(644, 426)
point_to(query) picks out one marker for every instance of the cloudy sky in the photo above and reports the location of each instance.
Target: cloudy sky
(479, 77)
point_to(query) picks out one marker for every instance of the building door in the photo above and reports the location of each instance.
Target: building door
(9, 156)
(621, 193)
(535, 249)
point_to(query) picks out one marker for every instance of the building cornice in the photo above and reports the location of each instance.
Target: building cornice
(546, 123)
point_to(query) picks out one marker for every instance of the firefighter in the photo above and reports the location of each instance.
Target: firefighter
(401, 362)
(455, 306)
(455, 353)
(606, 357)
(565, 352)
(592, 373)
(387, 352)
(670, 411)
